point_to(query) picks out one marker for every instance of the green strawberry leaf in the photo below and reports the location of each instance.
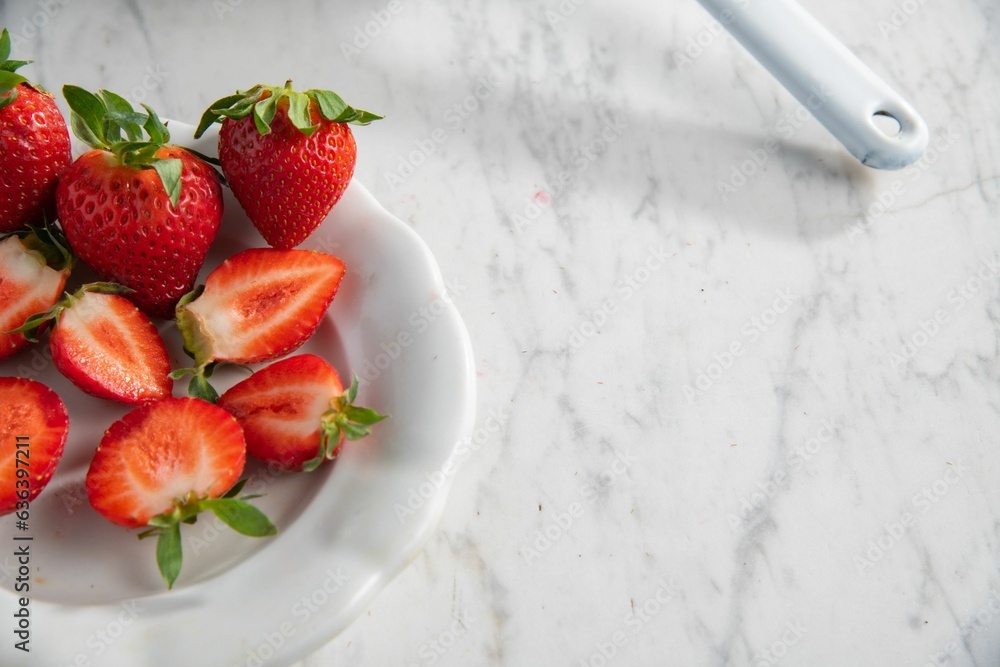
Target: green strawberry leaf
(312, 464)
(4, 45)
(362, 416)
(199, 387)
(362, 117)
(136, 154)
(343, 419)
(8, 79)
(8, 87)
(120, 116)
(87, 116)
(263, 113)
(100, 120)
(262, 103)
(212, 114)
(157, 131)
(241, 516)
(14, 65)
(298, 113)
(330, 104)
(169, 555)
(84, 132)
(333, 108)
(237, 487)
(32, 327)
(235, 512)
(353, 431)
(169, 170)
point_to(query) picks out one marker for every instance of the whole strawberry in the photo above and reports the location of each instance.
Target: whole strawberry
(34, 147)
(137, 211)
(166, 462)
(287, 156)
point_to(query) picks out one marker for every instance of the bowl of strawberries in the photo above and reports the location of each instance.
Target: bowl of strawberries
(233, 387)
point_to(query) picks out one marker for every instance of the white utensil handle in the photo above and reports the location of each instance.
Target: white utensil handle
(830, 81)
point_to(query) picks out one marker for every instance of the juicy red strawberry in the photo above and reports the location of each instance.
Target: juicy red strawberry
(143, 217)
(33, 272)
(109, 348)
(164, 463)
(258, 305)
(160, 453)
(296, 414)
(33, 428)
(287, 156)
(34, 147)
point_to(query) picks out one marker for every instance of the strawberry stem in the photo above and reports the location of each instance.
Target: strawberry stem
(234, 511)
(343, 418)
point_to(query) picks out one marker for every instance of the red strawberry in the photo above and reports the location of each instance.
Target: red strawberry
(34, 147)
(33, 428)
(259, 305)
(162, 464)
(106, 346)
(296, 414)
(138, 212)
(34, 267)
(287, 156)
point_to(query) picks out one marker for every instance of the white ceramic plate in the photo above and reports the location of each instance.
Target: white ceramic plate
(96, 597)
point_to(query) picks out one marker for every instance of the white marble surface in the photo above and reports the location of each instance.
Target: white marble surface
(828, 495)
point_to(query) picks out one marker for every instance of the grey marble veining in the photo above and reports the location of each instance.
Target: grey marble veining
(747, 406)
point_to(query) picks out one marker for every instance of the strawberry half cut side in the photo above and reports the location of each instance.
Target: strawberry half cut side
(105, 345)
(33, 429)
(162, 464)
(258, 305)
(295, 413)
(34, 266)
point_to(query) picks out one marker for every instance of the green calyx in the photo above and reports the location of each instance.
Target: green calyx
(9, 79)
(33, 326)
(199, 386)
(107, 121)
(343, 418)
(234, 511)
(262, 102)
(197, 345)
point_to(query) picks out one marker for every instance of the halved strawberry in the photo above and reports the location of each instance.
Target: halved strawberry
(33, 428)
(34, 266)
(164, 463)
(106, 346)
(296, 414)
(259, 305)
